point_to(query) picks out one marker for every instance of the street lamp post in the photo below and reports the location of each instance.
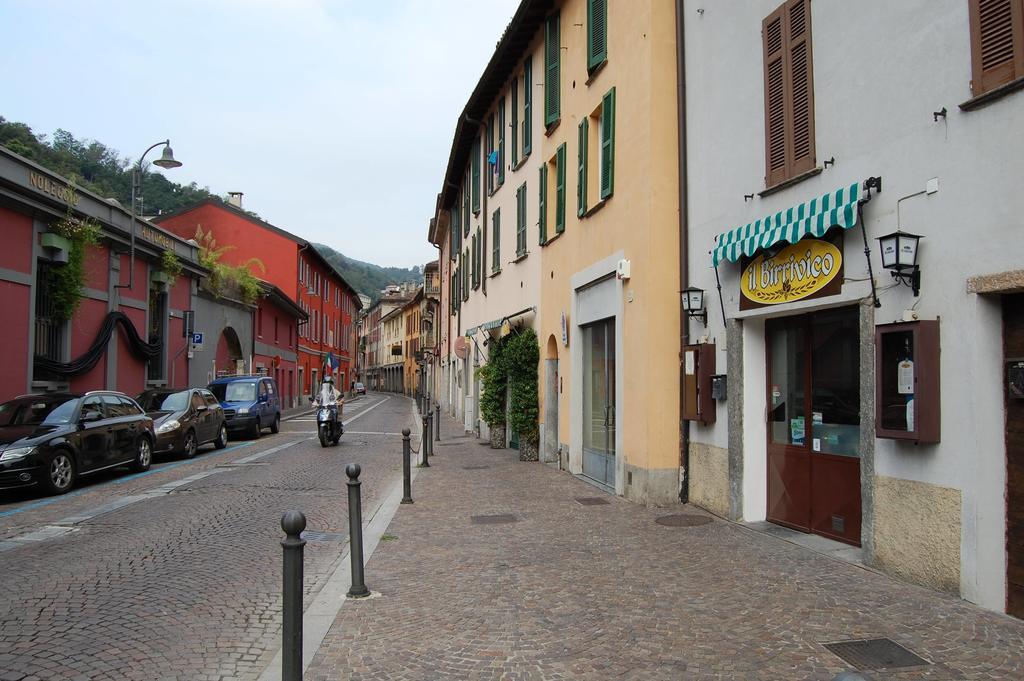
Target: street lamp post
(166, 160)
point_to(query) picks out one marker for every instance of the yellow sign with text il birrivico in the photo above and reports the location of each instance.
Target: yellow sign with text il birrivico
(798, 271)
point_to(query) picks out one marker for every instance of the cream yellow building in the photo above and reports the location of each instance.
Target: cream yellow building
(589, 245)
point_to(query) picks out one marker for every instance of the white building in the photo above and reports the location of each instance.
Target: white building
(795, 106)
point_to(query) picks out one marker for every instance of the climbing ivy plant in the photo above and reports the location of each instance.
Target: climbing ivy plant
(224, 279)
(521, 355)
(494, 377)
(67, 282)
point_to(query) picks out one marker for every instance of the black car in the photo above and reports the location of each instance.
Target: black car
(84, 434)
(20, 416)
(185, 420)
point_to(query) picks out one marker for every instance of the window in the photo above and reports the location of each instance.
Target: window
(514, 128)
(455, 220)
(528, 106)
(465, 275)
(115, 409)
(474, 265)
(465, 205)
(50, 327)
(552, 75)
(607, 126)
(475, 167)
(789, 92)
(597, 33)
(542, 204)
(581, 167)
(277, 336)
(560, 189)
(501, 141)
(496, 241)
(997, 43)
(489, 151)
(521, 221)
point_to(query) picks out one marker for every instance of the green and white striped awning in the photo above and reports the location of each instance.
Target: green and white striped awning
(815, 217)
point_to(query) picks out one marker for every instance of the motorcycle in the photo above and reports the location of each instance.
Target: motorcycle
(329, 427)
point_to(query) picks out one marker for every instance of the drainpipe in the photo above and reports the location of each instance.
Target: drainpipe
(684, 273)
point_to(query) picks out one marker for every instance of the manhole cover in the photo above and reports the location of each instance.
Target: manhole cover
(591, 501)
(322, 536)
(499, 519)
(875, 653)
(475, 468)
(683, 520)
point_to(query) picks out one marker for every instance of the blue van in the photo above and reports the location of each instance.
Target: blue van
(251, 403)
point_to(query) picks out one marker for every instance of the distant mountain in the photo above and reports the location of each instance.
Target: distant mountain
(366, 277)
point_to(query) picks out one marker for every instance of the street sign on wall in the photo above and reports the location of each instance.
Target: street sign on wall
(197, 341)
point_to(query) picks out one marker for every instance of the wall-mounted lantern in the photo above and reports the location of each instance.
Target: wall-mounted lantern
(899, 256)
(693, 303)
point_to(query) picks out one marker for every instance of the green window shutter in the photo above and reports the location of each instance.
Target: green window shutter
(496, 241)
(552, 75)
(542, 203)
(475, 165)
(560, 189)
(501, 141)
(472, 261)
(597, 32)
(608, 145)
(514, 128)
(465, 205)
(528, 105)
(465, 276)
(521, 220)
(453, 219)
(488, 147)
(581, 170)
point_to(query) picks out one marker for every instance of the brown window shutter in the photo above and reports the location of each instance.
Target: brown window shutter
(801, 86)
(789, 92)
(775, 109)
(997, 43)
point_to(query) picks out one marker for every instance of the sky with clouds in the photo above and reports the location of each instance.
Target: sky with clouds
(335, 117)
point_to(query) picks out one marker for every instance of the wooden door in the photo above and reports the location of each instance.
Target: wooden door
(813, 370)
(1013, 352)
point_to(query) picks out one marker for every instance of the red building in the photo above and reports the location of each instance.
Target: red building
(275, 336)
(127, 332)
(298, 270)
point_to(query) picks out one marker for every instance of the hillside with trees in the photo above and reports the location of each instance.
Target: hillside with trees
(94, 166)
(366, 277)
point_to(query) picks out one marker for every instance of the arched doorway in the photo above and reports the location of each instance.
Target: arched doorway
(229, 352)
(549, 446)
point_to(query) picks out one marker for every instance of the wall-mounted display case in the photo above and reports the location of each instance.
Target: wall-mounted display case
(907, 381)
(698, 368)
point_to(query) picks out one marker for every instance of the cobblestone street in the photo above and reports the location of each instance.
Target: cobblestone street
(184, 580)
(572, 590)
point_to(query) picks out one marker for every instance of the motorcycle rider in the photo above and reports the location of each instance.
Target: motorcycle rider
(330, 398)
(328, 394)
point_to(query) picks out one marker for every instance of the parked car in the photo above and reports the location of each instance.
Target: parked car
(20, 416)
(251, 403)
(81, 435)
(359, 388)
(185, 420)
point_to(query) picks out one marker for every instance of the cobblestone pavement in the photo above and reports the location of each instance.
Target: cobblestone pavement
(573, 591)
(186, 583)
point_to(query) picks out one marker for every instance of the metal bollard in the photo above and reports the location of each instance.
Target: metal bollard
(437, 422)
(355, 531)
(293, 523)
(430, 432)
(424, 439)
(406, 467)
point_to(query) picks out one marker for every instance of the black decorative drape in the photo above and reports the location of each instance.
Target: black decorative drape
(80, 365)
